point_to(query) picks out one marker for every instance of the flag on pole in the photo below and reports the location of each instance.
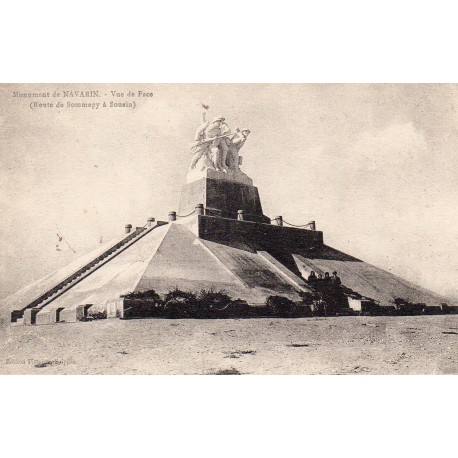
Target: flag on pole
(59, 240)
(62, 244)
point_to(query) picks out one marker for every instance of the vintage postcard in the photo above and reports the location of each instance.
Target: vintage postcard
(228, 229)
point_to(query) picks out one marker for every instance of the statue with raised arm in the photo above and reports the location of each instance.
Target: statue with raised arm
(211, 144)
(216, 148)
(200, 147)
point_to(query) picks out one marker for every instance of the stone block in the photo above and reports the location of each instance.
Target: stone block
(115, 308)
(72, 315)
(48, 316)
(364, 306)
(355, 304)
(45, 317)
(30, 316)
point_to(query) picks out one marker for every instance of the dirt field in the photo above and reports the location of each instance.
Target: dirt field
(344, 345)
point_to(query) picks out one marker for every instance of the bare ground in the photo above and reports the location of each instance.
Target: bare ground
(343, 345)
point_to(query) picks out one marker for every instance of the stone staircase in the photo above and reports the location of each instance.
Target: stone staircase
(26, 314)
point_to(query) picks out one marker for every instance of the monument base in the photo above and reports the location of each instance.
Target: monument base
(222, 198)
(231, 175)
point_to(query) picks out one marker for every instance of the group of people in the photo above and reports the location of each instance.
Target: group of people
(329, 289)
(334, 280)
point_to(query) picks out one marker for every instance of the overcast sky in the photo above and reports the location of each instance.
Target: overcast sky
(374, 165)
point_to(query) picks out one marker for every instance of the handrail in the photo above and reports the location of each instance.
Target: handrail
(15, 314)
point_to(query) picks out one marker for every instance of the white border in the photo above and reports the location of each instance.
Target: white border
(207, 41)
(238, 41)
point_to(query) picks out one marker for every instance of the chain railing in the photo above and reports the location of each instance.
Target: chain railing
(185, 216)
(311, 224)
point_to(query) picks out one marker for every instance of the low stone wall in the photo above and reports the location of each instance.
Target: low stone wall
(259, 236)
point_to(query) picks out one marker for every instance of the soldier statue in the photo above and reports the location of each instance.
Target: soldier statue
(215, 147)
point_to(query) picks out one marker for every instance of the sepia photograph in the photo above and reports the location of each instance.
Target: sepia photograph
(191, 190)
(229, 229)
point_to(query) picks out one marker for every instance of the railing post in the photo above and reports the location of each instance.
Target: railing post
(128, 228)
(199, 209)
(312, 225)
(172, 216)
(240, 215)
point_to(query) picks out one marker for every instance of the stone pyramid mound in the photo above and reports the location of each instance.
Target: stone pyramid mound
(224, 242)
(249, 260)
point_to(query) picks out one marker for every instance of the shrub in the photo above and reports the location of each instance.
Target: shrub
(213, 300)
(280, 306)
(309, 298)
(179, 296)
(179, 304)
(149, 294)
(101, 315)
(142, 304)
(405, 307)
(142, 308)
(303, 310)
(448, 308)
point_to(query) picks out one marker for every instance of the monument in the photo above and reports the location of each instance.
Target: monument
(219, 239)
(214, 177)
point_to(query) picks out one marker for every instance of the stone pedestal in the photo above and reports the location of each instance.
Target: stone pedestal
(234, 176)
(223, 195)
